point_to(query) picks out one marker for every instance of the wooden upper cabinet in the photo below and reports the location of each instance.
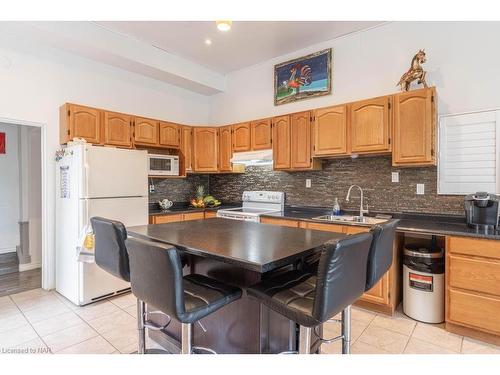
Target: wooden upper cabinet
(330, 131)
(281, 142)
(414, 128)
(370, 125)
(145, 131)
(117, 129)
(225, 149)
(186, 150)
(261, 134)
(169, 134)
(81, 122)
(205, 149)
(241, 137)
(300, 135)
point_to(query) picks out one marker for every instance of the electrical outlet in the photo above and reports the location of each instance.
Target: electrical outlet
(308, 182)
(395, 176)
(420, 189)
(151, 188)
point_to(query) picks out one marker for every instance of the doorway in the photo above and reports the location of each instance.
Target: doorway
(21, 208)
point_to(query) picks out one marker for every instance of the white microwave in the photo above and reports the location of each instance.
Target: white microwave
(163, 165)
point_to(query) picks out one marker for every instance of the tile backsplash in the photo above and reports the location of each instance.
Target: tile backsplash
(373, 174)
(177, 189)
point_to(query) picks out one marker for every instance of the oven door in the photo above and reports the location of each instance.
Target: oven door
(237, 216)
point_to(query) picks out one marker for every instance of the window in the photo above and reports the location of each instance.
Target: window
(469, 153)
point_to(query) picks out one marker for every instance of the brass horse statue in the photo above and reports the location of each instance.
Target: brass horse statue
(415, 72)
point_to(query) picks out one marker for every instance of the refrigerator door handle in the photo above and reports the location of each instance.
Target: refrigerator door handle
(86, 168)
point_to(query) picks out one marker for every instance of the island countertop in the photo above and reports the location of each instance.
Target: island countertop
(253, 246)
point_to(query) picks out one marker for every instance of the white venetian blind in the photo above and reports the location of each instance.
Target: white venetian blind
(469, 149)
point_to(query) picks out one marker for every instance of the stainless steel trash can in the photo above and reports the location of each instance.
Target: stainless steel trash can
(423, 283)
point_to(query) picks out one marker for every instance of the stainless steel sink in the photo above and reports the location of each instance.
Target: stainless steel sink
(350, 219)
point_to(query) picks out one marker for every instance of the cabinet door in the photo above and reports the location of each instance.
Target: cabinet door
(330, 131)
(145, 131)
(186, 149)
(205, 149)
(300, 144)
(379, 293)
(225, 149)
(281, 222)
(84, 122)
(169, 134)
(241, 137)
(414, 127)
(117, 129)
(261, 134)
(281, 142)
(370, 125)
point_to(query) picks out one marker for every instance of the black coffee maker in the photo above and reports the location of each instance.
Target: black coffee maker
(482, 210)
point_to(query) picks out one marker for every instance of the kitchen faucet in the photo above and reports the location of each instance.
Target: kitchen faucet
(361, 209)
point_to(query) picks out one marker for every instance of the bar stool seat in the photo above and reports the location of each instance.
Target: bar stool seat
(203, 296)
(157, 279)
(291, 294)
(311, 299)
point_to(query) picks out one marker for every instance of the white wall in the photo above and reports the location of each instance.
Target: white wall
(463, 60)
(9, 190)
(37, 80)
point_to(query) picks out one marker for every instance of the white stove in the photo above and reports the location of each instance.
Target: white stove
(255, 203)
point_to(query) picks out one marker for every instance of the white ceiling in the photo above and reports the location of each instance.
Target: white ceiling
(246, 44)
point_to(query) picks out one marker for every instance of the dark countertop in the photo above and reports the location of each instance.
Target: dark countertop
(409, 222)
(183, 207)
(250, 245)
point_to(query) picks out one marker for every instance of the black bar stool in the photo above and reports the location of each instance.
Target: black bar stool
(381, 252)
(157, 279)
(111, 255)
(310, 300)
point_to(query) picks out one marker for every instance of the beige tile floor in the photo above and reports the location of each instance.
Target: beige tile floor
(39, 321)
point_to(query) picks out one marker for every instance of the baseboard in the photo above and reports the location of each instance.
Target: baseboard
(5, 250)
(29, 266)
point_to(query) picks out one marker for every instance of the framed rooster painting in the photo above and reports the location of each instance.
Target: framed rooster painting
(306, 77)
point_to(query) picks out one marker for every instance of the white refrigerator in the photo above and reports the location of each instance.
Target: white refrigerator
(95, 181)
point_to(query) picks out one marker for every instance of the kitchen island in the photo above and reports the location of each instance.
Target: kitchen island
(238, 253)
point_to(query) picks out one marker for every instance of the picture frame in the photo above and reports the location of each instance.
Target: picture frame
(302, 78)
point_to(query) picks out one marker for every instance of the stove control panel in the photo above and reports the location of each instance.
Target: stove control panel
(264, 196)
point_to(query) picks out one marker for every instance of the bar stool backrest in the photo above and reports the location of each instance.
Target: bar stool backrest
(381, 252)
(341, 275)
(110, 251)
(156, 275)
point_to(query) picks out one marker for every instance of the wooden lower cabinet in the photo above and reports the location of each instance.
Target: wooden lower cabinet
(386, 294)
(282, 222)
(472, 302)
(210, 214)
(162, 219)
(172, 218)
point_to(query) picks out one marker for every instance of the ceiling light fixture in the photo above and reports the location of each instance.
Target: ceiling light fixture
(208, 42)
(223, 25)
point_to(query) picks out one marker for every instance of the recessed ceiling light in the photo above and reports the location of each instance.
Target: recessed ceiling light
(223, 25)
(208, 42)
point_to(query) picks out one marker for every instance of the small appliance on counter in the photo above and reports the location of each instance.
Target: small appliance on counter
(482, 210)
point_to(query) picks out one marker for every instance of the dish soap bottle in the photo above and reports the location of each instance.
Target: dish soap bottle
(336, 207)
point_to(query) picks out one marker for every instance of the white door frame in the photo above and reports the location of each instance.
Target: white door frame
(48, 255)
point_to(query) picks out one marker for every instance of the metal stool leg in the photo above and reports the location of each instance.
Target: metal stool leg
(346, 330)
(305, 340)
(141, 317)
(186, 338)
